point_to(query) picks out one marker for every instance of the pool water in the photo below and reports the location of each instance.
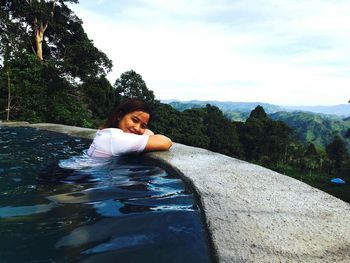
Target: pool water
(58, 205)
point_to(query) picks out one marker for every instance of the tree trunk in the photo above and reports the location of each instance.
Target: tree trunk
(39, 38)
(39, 30)
(8, 96)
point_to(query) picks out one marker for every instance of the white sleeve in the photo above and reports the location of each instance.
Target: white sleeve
(127, 142)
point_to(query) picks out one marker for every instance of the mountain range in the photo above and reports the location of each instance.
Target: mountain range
(340, 110)
(316, 124)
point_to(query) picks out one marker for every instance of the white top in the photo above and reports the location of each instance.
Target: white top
(111, 142)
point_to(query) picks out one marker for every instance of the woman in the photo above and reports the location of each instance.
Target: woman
(126, 131)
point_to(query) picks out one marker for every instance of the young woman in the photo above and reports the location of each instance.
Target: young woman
(126, 131)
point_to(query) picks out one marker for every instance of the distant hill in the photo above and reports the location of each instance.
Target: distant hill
(340, 110)
(225, 106)
(318, 128)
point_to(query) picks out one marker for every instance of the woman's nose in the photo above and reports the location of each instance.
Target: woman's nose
(137, 127)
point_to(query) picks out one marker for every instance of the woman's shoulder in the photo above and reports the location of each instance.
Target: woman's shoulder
(110, 130)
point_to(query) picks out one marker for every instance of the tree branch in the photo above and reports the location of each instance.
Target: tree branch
(53, 7)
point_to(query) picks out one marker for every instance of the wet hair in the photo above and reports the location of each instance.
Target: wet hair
(126, 107)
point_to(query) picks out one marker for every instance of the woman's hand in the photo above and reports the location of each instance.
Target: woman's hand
(158, 143)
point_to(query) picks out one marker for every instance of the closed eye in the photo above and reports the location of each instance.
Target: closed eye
(137, 120)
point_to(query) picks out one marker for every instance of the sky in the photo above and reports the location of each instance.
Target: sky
(290, 52)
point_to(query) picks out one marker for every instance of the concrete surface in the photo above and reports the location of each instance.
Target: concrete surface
(254, 214)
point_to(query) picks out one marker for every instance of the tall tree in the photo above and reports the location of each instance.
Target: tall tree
(51, 30)
(99, 96)
(347, 134)
(28, 94)
(265, 141)
(34, 17)
(192, 129)
(67, 61)
(311, 159)
(131, 85)
(221, 132)
(337, 153)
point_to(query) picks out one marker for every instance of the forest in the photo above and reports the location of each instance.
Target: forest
(52, 72)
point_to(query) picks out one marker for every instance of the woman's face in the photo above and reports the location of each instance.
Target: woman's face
(134, 122)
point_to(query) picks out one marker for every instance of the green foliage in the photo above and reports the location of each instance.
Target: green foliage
(344, 170)
(64, 108)
(265, 141)
(99, 96)
(257, 114)
(165, 121)
(41, 95)
(236, 115)
(222, 133)
(28, 93)
(205, 128)
(70, 85)
(184, 127)
(347, 134)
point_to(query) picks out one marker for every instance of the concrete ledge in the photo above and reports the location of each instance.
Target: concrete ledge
(254, 214)
(70, 130)
(257, 215)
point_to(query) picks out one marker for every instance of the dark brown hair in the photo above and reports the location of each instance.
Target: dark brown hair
(127, 106)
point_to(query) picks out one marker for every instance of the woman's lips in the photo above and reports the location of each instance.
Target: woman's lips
(132, 131)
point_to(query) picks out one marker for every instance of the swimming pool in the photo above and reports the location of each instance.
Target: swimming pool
(56, 205)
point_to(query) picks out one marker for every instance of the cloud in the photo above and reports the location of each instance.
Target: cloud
(292, 52)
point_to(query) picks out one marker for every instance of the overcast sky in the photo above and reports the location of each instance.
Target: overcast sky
(289, 52)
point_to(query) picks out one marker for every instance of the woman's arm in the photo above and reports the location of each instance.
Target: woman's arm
(158, 143)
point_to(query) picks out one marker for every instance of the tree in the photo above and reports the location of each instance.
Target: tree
(28, 97)
(265, 141)
(258, 113)
(337, 153)
(67, 68)
(192, 128)
(33, 17)
(347, 134)
(99, 96)
(131, 85)
(252, 134)
(221, 132)
(50, 29)
(311, 159)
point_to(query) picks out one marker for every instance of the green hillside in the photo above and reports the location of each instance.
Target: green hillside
(316, 128)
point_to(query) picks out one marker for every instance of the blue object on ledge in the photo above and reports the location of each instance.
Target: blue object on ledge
(338, 181)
